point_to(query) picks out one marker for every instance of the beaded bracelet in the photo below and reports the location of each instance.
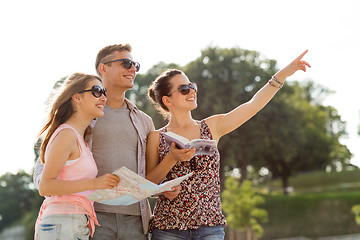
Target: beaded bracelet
(278, 83)
(272, 84)
(274, 78)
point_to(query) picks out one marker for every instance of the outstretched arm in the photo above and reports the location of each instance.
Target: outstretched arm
(224, 123)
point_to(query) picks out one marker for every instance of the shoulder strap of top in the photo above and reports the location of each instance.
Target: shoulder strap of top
(66, 126)
(204, 129)
(163, 129)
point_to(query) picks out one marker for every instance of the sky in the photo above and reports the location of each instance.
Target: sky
(43, 41)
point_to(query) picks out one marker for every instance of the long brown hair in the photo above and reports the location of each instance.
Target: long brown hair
(61, 108)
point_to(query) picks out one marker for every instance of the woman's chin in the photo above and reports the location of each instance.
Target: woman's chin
(194, 106)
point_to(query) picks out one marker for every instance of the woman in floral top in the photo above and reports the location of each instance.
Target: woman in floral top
(193, 210)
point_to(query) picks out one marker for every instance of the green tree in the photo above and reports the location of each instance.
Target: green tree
(301, 135)
(227, 78)
(16, 197)
(241, 205)
(19, 201)
(356, 211)
(293, 133)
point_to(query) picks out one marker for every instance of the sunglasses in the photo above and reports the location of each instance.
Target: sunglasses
(96, 90)
(127, 63)
(184, 89)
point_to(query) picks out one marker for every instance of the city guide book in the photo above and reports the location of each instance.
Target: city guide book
(202, 146)
(132, 188)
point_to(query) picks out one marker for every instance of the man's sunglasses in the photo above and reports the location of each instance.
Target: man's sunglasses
(127, 63)
(184, 89)
(96, 90)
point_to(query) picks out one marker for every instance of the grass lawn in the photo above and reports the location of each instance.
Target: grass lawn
(319, 205)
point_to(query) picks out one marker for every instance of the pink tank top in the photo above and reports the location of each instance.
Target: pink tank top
(82, 168)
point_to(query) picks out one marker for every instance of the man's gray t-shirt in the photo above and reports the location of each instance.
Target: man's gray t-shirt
(114, 145)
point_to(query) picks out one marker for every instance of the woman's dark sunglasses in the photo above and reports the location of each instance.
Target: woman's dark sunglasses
(184, 89)
(96, 90)
(127, 63)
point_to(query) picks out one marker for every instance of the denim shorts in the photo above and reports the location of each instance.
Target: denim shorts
(203, 233)
(63, 226)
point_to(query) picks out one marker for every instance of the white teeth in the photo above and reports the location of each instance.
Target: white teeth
(100, 106)
(191, 99)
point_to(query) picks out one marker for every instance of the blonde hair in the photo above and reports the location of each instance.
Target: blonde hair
(61, 108)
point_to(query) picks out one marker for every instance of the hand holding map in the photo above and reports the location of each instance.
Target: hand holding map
(132, 188)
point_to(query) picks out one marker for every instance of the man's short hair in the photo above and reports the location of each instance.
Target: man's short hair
(106, 54)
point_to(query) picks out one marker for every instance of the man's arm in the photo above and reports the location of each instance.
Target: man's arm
(37, 173)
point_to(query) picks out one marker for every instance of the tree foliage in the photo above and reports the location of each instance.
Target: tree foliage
(356, 211)
(17, 197)
(241, 205)
(293, 133)
(301, 135)
(227, 78)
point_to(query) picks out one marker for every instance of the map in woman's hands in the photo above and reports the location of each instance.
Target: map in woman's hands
(202, 146)
(132, 188)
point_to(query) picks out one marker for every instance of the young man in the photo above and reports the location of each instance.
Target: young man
(118, 139)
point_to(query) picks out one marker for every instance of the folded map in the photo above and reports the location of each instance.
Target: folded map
(132, 188)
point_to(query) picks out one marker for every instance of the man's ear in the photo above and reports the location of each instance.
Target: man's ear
(102, 69)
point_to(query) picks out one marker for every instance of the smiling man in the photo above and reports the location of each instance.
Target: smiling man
(119, 139)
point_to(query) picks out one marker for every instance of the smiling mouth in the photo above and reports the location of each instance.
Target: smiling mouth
(129, 77)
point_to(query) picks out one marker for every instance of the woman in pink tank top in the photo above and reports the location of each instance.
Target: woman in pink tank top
(69, 174)
(194, 212)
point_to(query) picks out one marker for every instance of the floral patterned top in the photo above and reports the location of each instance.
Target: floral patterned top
(198, 202)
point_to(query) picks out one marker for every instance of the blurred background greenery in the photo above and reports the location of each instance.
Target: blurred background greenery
(287, 173)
